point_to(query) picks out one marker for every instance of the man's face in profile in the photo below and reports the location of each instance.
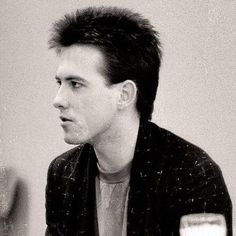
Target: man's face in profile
(86, 103)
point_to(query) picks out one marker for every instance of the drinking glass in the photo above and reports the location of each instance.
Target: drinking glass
(203, 224)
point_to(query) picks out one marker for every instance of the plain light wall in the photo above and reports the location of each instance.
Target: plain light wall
(196, 98)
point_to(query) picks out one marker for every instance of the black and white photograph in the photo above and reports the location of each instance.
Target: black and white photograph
(117, 118)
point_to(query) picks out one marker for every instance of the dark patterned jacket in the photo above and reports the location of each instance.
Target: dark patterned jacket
(169, 178)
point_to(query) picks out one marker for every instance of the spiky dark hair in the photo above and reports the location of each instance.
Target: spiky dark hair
(129, 42)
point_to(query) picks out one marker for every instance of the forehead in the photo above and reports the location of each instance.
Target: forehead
(81, 60)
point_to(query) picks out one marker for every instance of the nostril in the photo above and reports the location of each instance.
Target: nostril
(57, 102)
(60, 102)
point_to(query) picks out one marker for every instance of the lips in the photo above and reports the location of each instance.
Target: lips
(64, 119)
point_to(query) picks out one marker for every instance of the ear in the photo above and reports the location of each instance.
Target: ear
(128, 93)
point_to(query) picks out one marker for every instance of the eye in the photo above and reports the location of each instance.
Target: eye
(76, 84)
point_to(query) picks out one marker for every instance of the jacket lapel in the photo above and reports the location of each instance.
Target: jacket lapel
(80, 199)
(147, 169)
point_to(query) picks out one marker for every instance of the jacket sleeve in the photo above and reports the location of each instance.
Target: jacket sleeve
(198, 188)
(53, 201)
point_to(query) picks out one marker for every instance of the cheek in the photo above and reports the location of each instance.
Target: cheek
(104, 106)
(100, 103)
(99, 112)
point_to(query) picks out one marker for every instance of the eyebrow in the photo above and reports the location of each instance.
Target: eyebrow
(72, 77)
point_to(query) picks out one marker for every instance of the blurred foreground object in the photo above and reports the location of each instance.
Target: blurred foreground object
(203, 224)
(13, 203)
(8, 184)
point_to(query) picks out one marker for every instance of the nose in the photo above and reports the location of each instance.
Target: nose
(61, 99)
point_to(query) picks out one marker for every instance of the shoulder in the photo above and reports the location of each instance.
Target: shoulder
(186, 166)
(191, 182)
(180, 153)
(189, 170)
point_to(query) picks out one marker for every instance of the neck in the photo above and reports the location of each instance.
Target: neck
(115, 148)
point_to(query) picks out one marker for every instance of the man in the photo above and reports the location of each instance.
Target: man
(127, 176)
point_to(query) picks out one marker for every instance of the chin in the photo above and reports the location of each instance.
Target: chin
(74, 140)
